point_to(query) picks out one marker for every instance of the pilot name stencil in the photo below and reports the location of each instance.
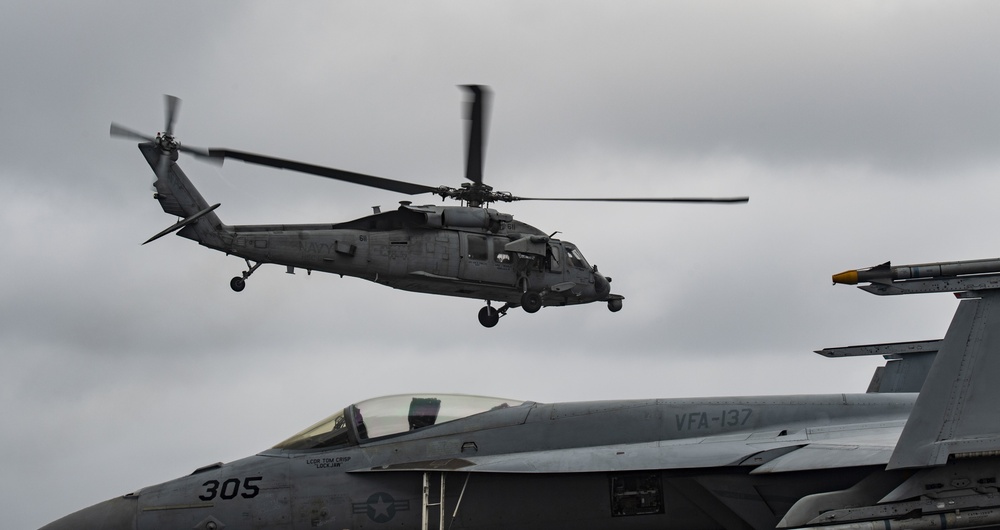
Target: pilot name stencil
(691, 421)
(327, 462)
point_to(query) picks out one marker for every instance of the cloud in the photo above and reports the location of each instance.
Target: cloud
(862, 132)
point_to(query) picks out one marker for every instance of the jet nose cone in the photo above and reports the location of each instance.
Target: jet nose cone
(114, 514)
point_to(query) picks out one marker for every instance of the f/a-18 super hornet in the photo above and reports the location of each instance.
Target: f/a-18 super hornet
(919, 450)
(470, 251)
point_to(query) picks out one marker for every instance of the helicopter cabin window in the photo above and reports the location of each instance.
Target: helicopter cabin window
(576, 258)
(478, 249)
(500, 255)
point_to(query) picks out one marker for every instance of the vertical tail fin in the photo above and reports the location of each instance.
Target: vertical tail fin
(956, 412)
(178, 197)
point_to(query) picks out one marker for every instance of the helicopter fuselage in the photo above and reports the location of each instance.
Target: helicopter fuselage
(449, 250)
(464, 251)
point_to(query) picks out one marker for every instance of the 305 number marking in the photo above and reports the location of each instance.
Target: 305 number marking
(228, 489)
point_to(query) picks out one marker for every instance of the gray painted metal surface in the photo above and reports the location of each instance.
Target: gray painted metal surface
(841, 461)
(909, 363)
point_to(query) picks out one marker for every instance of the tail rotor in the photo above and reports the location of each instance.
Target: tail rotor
(168, 144)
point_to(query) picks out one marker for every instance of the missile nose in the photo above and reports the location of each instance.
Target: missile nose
(115, 514)
(846, 277)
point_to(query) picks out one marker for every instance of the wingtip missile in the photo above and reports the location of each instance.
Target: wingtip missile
(884, 272)
(943, 276)
(846, 277)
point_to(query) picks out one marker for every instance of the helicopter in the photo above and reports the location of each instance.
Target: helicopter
(470, 251)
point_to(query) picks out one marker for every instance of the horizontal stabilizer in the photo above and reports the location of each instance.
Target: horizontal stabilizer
(182, 223)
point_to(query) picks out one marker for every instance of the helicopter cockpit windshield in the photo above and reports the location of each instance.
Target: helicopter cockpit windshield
(576, 258)
(385, 416)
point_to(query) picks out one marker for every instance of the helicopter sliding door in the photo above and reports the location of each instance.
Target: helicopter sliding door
(485, 260)
(434, 252)
(445, 253)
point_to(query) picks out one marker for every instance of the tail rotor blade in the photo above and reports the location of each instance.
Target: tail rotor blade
(171, 103)
(162, 166)
(124, 132)
(167, 145)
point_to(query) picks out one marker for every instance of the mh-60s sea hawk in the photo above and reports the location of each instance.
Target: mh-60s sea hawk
(920, 450)
(470, 251)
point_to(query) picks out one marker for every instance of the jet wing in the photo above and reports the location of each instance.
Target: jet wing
(813, 448)
(864, 446)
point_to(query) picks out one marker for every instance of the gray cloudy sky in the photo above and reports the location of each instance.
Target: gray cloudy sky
(863, 131)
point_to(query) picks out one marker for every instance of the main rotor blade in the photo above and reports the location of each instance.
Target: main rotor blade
(204, 154)
(171, 103)
(124, 132)
(637, 199)
(477, 113)
(398, 186)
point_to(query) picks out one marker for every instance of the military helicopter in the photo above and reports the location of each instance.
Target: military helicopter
(919, 450)
(470, 251)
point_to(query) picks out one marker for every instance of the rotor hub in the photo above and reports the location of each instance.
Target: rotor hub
(167, 142)
(475, 194)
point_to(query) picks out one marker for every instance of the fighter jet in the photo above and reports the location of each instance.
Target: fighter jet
(920, 449)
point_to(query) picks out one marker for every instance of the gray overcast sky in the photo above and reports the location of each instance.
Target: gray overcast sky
(863, 131)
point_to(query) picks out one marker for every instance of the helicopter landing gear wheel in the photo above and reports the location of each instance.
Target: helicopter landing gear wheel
(531, 301)
(238, 283)
(614, 305)
(489, 316)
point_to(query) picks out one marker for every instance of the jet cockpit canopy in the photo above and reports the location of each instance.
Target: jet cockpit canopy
(389, 415)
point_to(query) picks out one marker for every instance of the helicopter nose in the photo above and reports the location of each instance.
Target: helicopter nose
(602, 284)
(115, 514)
